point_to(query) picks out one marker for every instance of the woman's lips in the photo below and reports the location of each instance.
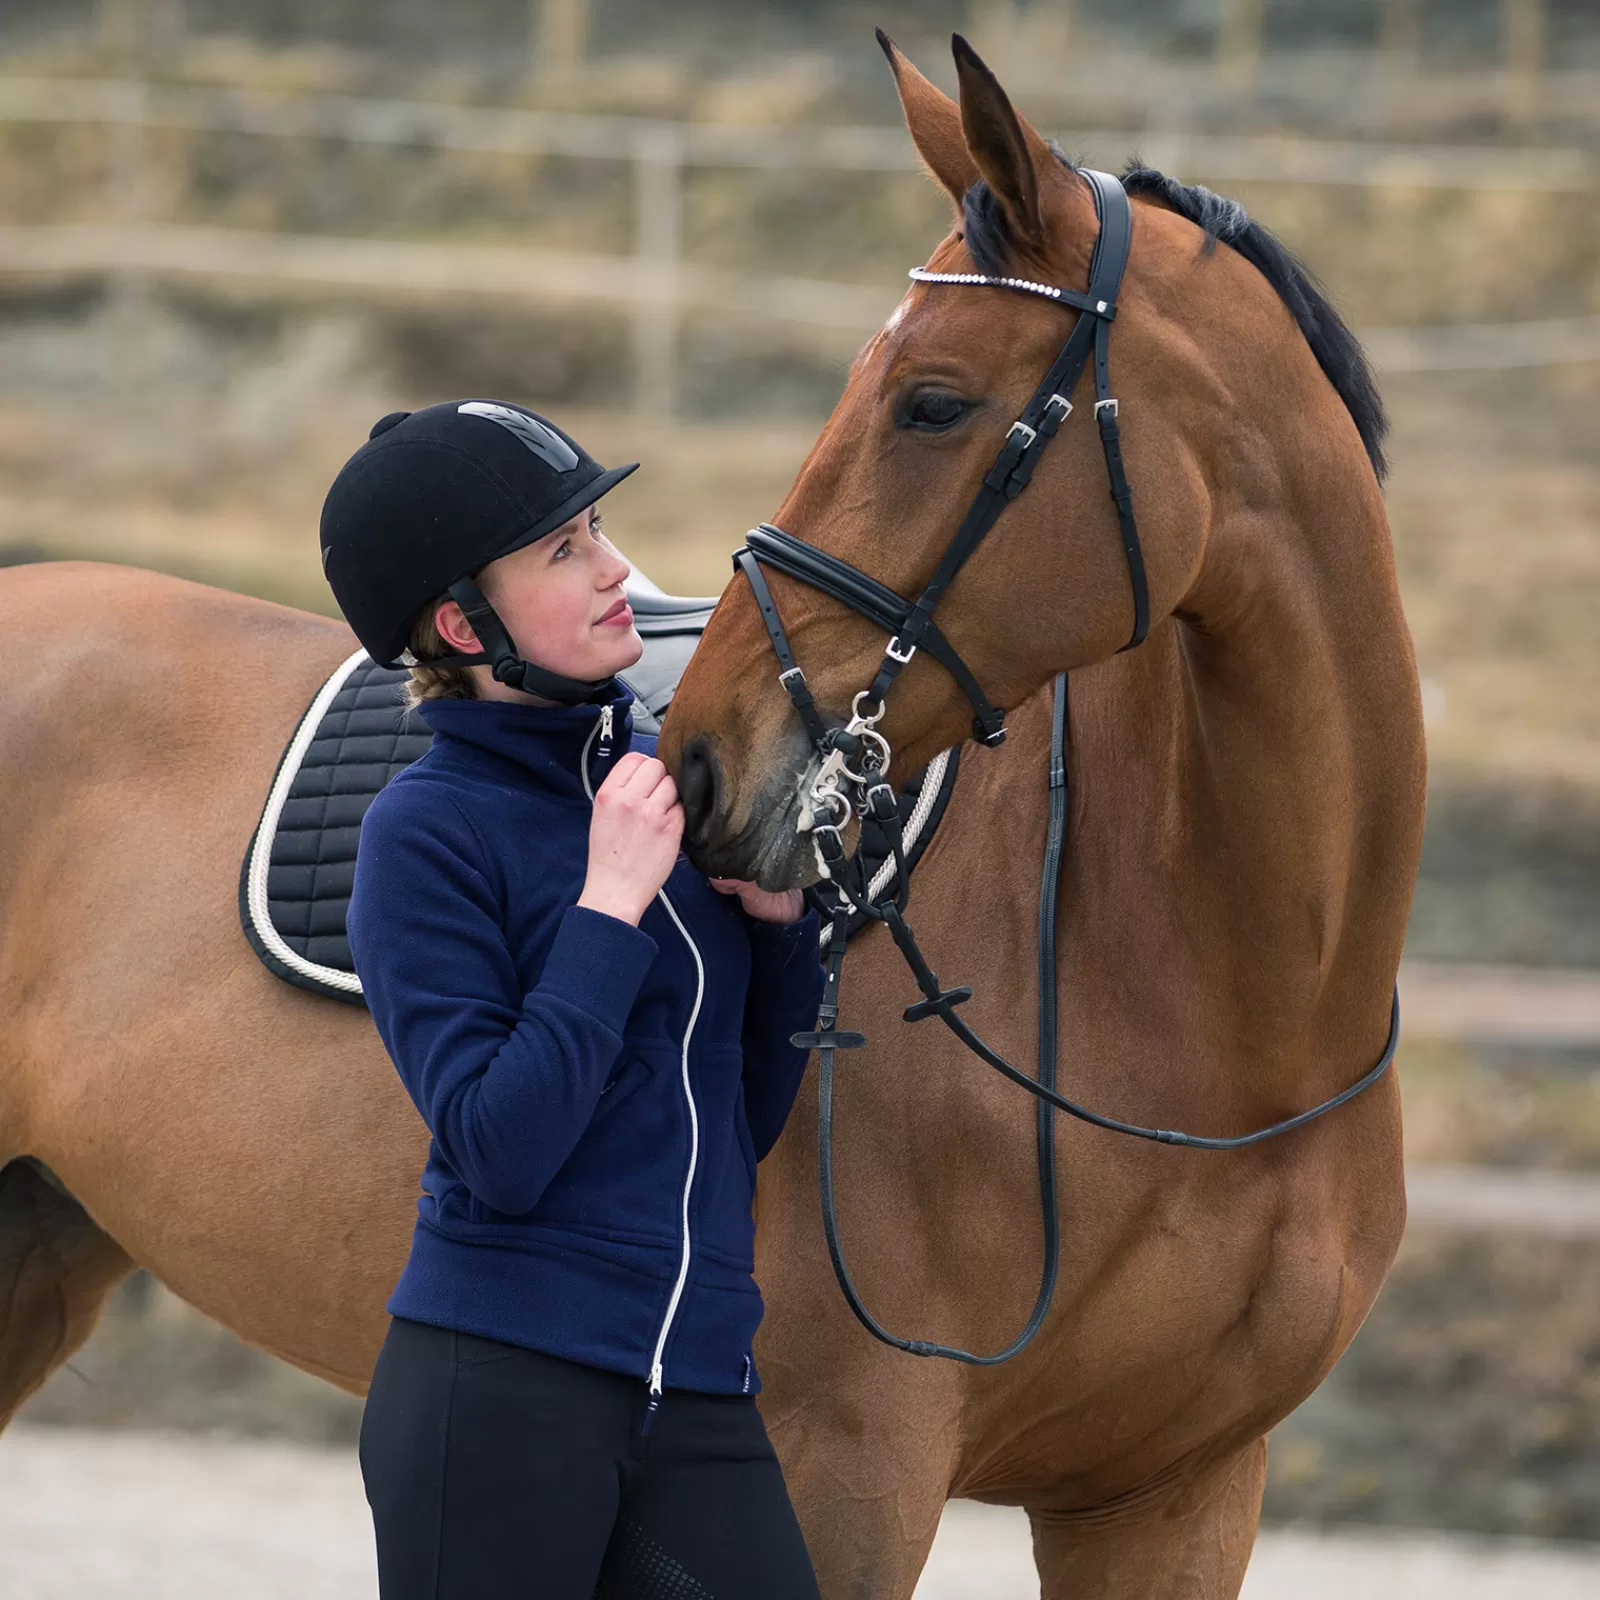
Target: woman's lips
(619, 616)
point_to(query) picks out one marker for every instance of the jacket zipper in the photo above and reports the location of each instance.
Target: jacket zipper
(688, 1182)
(602, 729)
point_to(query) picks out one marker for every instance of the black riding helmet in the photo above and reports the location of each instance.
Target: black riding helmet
(431, 499)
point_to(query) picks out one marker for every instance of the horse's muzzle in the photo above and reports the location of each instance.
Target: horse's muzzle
(761, 844)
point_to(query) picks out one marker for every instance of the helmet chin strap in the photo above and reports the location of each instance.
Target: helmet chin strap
(509, 668)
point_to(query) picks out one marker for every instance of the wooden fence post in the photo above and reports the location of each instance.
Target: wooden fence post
(1523, 22)
(128, 163)
(1399, 56)
(1041, 45)
(658, 246)
(1239, 45)
(992, 25)
(560, 37)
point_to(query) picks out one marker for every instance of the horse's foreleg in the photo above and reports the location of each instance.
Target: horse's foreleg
(56, 1270)
(1193, 1542)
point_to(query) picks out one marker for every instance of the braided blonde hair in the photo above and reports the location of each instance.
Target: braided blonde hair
(429, 682)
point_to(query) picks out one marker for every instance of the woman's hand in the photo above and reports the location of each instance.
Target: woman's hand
(633, 838)
(765, 905)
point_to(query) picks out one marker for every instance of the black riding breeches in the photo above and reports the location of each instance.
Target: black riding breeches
(498, 1473)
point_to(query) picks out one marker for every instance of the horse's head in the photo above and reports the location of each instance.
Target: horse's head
(928, 405)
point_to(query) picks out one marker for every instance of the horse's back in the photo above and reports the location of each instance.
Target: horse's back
(117, 678)
(141, 719)
(70, 628)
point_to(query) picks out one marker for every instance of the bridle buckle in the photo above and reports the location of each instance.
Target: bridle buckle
(894, 652)
(1105, 405)
(1055, 402)
(1028, 434)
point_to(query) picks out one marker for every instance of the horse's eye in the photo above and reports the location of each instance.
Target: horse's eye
(931, 410)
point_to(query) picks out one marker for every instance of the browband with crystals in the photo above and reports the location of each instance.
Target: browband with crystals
(1100, 308)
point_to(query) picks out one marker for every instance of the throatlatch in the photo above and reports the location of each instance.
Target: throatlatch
(854, 759)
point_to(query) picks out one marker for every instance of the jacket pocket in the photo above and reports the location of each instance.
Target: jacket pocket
(630, 1073)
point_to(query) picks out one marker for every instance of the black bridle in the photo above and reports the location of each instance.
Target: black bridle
(840, 788)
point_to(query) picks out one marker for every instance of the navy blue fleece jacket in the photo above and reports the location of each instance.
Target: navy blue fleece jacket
(598, 1094)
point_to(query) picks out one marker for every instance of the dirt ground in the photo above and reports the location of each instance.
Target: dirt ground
(139, 1516)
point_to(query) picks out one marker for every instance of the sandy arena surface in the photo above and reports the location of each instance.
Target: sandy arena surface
(134, 1516)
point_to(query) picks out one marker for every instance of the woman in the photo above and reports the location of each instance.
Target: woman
(597, 1038)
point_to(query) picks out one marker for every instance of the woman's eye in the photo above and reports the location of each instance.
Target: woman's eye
(932, 410)
(562, 549)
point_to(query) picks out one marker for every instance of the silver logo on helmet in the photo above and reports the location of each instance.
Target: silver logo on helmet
(543, 440)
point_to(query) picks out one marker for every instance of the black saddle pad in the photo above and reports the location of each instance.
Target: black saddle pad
(294, 885)
(295, 881)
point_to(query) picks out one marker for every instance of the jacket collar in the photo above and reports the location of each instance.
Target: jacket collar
(517, 741)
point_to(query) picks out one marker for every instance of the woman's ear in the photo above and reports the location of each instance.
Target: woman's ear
(934, 121)
(450, 623)
(1007, 152)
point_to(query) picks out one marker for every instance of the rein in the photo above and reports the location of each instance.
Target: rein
(841, 789)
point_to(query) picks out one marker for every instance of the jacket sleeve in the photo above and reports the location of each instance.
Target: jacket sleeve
(785, 991)
(505, 1081)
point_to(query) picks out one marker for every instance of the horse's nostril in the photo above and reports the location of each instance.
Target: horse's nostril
(697, 785)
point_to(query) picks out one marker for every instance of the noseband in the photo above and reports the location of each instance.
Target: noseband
(841, 788)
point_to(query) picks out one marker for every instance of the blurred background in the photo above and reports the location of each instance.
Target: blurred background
(234, 232)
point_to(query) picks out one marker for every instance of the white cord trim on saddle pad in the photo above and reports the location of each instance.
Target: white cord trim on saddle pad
(932, 783)
(266, 831)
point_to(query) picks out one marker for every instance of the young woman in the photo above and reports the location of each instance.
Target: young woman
(596, 1037)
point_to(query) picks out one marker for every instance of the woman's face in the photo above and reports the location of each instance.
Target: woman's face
(562, 601)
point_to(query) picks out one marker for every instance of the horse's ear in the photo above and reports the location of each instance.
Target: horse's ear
(935, 123)
(1008, 153)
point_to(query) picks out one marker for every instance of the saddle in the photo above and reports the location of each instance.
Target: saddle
(355, 736)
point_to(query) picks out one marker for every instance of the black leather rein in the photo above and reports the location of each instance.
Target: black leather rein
(840, 788)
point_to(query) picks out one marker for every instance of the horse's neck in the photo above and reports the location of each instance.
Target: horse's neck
(1250, 783)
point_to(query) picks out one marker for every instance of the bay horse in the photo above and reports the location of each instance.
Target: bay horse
(1246, 813)
(1247, 795)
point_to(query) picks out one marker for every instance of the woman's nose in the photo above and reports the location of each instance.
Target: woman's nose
(612, 571)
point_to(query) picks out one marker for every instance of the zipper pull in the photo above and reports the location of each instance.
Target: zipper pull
(654, 1404)
(606, 717)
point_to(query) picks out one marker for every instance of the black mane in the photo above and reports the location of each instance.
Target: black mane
(1339, 354)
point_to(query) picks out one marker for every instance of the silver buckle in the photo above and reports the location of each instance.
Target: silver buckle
(793, 672)
(1104, 405)
(893, 651)
(1061, 401)
(1019, 426)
